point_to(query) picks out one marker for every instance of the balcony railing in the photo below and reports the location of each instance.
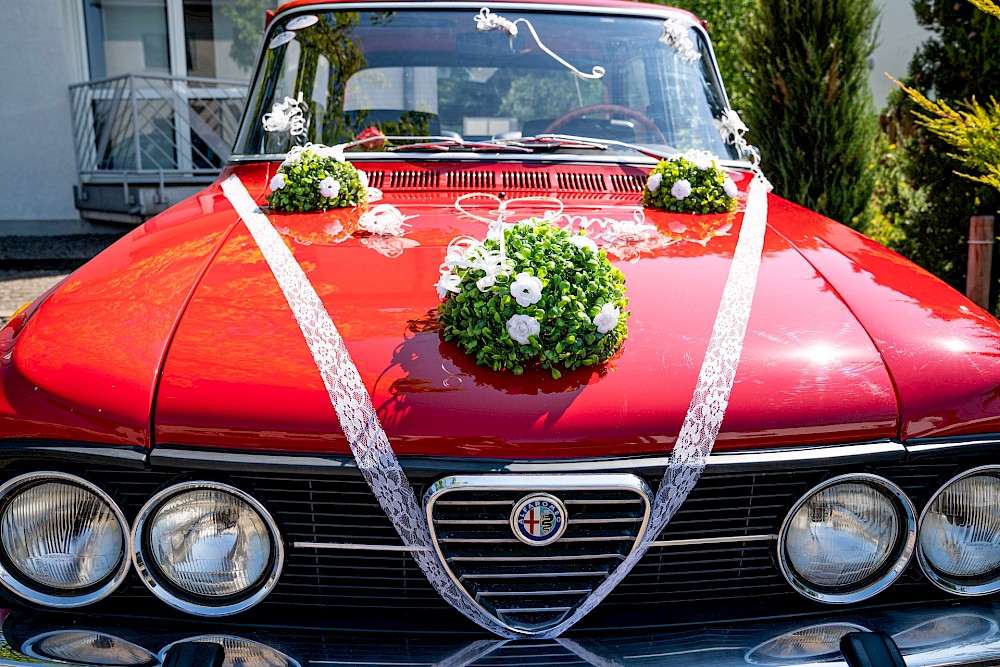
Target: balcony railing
(146, 128)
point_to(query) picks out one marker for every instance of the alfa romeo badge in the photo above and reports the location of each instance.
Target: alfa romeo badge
(538, 519)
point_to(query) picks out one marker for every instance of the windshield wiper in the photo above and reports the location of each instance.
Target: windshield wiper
(436, 143)
(558, 141)
(445, 144)
(553, 142)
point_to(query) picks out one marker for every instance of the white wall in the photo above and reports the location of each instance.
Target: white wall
(899, 37)
(37, 63)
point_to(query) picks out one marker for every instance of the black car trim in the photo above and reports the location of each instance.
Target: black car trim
(73, 452)
(866, 452)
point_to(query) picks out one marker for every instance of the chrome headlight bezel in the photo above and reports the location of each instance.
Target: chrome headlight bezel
(159, 584)
(890, 570)
(36, 592)
(973, 587)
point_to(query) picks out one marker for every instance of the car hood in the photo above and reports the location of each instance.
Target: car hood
(238, 373)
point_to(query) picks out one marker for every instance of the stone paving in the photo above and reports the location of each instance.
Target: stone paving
(29, 265)
(18, 287)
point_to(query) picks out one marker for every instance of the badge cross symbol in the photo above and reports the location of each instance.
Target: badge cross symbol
(539, 519)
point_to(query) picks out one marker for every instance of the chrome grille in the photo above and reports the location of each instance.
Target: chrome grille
(528, 587)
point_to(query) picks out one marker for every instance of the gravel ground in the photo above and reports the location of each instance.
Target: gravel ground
(29, 265)
(19, 287)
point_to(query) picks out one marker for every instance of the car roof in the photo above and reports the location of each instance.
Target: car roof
(610, 4)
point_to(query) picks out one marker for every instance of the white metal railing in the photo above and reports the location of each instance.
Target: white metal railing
(162, 127)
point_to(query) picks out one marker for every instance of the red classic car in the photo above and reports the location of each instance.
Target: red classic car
(259, 416)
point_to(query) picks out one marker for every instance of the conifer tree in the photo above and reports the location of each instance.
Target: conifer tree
(812, 116)
(931, 207)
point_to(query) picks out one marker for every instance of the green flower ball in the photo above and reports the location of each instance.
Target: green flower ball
(302, 180)
(704, 192)
(564, 284)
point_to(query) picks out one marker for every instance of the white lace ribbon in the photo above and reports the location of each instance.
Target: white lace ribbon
(350, 399)
(711, 395)
(381, 468)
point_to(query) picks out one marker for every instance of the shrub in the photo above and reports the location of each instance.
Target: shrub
(557, 302)
(812, 116)
(931, 214)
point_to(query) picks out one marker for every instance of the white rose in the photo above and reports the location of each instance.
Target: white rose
(363, 177)
(449, 282)
(681, 189)
(526, 289)
(730, 187)
(653, 184)
(329, 187)
(278, 182)
(521, 327)
(702, 160)
(581, 241)
(607, 319)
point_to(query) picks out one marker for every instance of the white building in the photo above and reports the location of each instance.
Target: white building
(174, 133)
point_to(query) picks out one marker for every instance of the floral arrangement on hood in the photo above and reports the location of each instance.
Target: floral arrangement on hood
(690, 183)
(532, 293)
(316, 178)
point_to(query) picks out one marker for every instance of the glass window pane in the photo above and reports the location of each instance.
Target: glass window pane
(128, 36)
(222, 36)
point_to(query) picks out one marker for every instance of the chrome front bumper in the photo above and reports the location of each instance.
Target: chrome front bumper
(959, 634)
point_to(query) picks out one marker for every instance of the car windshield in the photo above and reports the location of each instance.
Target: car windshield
(437, 75)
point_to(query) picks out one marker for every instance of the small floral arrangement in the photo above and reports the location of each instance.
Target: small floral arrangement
(377, 140)
(690, 183)
(544, 296)
(316, 178)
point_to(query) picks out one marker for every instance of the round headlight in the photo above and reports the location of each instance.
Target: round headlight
(62, 540)
(85, 647)
(208, 549)
(847, 539)
(959, 545)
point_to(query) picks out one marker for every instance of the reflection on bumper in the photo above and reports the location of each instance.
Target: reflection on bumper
(964, 634)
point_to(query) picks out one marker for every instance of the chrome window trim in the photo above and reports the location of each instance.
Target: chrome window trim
(943, 582)
(531, 483)
(13, 583)
(885, 580)
(165, 591)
